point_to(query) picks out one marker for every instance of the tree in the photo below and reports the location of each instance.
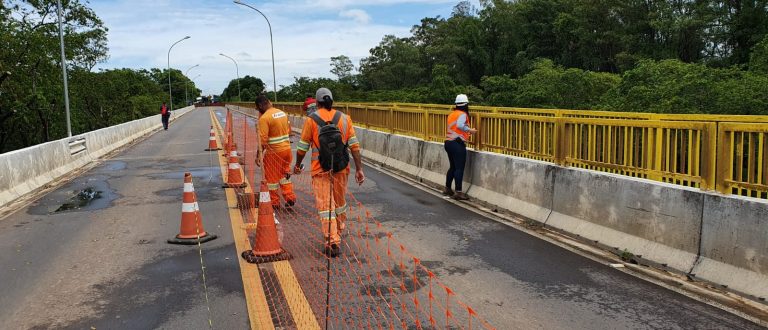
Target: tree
(393, 64)
(31, 97)
(342, 68)
(249, 88)
(758, 60)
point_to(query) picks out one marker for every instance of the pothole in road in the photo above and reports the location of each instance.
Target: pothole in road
(81, 199)
(82, 195)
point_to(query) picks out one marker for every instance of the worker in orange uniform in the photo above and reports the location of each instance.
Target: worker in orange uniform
(274, 134)
(457, 134)
(331, 136)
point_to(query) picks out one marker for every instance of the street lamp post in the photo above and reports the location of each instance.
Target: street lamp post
(170, 91)
(271, 44)
(193, 81)
(64, 69)
(237, 71)
(186, 74)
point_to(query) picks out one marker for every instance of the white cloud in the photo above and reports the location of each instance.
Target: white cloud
(358, 15)
(140, 32)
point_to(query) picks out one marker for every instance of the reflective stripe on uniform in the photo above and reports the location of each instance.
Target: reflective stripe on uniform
(303, 146)
(326, 214)
(353, 141)
(285, 181)
(273, 186)
(278, 139)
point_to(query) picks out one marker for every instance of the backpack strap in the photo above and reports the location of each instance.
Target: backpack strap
(336, 118)
(317, 119)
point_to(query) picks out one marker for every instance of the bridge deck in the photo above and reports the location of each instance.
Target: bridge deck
(107, 265)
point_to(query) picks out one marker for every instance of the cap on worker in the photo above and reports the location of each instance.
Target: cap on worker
(462, 99)
(322, 92)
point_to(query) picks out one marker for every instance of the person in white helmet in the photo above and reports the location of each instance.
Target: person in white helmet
(457, 134)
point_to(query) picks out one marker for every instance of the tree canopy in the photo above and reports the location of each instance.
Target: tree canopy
(31, 86)
(672, 56)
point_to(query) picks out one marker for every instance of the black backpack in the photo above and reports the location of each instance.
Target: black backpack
(332, 146)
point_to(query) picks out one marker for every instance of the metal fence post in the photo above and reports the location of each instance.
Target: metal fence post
(715, 170)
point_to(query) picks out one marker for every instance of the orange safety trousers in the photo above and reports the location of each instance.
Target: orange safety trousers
(276, 165)
(331, 206)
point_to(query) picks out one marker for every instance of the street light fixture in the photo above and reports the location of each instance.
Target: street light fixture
(186, 74)
(271, 44)
(170, 92)
(237, 70)
(64, 69)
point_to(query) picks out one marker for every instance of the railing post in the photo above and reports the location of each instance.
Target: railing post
(721, 166)
(653, 154)
(478, 136)
(560, 141)
(425, 119)
(391, 122)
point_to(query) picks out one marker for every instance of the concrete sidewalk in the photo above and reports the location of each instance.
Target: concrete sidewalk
(107, 265)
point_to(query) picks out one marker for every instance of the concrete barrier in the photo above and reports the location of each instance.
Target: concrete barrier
(734, 244)
(660, 222)
(719, 238)
(25, 170)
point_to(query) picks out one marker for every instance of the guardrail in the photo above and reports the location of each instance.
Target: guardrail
(711, 152)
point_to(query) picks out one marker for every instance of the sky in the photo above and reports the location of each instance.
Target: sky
(306, 35)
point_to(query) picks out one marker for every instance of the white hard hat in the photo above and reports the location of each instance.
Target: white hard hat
(461, 99)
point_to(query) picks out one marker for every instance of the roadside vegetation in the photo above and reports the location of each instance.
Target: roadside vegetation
(663, 56)
(31, 87)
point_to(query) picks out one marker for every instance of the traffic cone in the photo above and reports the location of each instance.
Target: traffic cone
(235, 172)
(212, 144)
(192, 229)
(266, 245)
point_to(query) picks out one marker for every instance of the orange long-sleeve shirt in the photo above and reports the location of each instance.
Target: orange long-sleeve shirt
(274, 130)
(309, 137)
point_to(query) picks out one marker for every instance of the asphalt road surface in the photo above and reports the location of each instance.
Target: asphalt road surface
(107, 265)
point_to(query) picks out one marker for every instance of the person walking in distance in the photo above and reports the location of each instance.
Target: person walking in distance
(331, 136)
(274, 133)
(458, 132)
(165, 116)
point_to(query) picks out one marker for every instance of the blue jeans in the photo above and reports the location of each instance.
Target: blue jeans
(457, 157)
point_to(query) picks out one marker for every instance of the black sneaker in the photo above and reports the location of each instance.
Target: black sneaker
(290, 203)
(335, 250)
(448, 192)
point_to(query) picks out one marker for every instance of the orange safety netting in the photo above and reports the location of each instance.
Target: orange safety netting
(375, 282)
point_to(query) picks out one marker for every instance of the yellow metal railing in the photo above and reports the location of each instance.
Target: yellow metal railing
(743, 159)
(711, 152)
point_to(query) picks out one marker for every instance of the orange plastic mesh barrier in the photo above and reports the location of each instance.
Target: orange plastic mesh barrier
(375, 282)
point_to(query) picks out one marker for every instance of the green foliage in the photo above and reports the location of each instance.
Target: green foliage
(31, 87)
(758, 61)
(248, 89)
(393, 64)
(672, 86)
(645, 56)
(342, 68)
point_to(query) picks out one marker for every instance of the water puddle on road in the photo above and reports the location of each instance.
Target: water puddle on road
(81, 199)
